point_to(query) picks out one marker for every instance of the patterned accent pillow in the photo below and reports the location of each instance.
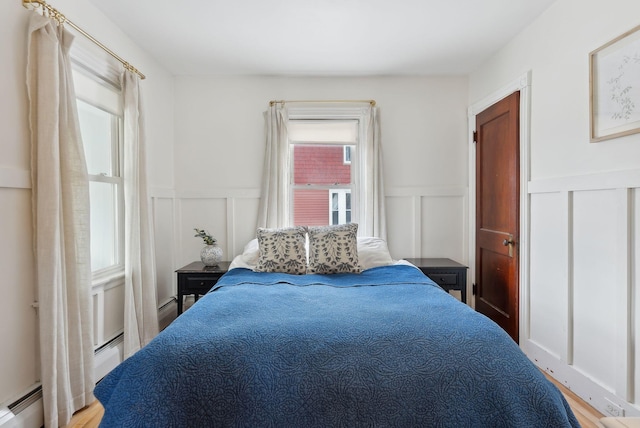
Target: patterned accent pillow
(282, 250)
(333, 249)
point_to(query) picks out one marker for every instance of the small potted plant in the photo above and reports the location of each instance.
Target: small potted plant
(210, 254)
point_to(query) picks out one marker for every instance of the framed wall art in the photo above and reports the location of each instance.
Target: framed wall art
(615, 87)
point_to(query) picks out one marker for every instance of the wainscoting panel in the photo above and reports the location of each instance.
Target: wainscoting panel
(244, 212)
(164, 219)
(594, 284)
(403, 226)
(584, 316)
(443, 227)
(549, 291)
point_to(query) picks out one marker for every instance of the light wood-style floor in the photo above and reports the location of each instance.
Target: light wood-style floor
(586, 415)
(90, 416)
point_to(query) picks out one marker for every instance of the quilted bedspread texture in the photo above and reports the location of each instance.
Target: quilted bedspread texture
(384, 348)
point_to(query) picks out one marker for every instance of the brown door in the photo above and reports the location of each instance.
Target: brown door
(497, 212)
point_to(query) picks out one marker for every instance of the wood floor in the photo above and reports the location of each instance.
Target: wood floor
(586, 415)
(90, 416)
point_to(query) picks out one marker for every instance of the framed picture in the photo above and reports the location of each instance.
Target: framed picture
(615, 87)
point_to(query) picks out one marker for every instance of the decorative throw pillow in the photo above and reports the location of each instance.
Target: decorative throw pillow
(282, 250)
(333, 249)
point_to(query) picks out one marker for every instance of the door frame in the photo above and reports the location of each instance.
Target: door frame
(522, 84)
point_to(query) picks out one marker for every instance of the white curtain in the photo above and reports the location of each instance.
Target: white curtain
(140, 302)
(372, 215)
(60, 196)
(273, 210)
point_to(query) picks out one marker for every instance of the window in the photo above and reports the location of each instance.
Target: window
(322, 181)
(340, 206)
(100, 117)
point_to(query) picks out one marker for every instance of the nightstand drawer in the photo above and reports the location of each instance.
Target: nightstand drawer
(201, 285)
(444, 278)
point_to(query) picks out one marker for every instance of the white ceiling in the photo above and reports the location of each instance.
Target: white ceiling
(322, 37)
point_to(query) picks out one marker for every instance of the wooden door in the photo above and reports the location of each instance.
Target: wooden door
(497, 213)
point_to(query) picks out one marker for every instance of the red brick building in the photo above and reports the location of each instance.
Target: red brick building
(319, 165)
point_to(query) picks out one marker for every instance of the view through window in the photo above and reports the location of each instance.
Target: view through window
(322, 179)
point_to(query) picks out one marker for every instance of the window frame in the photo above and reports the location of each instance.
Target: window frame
(116, 177)
(358, 170)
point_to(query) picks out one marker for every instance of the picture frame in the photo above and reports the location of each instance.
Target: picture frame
(614, 83)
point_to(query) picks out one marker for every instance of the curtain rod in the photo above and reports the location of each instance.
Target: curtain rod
(63, 20)
(372, 102)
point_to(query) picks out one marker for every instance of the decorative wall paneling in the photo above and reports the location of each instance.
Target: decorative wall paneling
(20, 360)
(428, 222)
(422, 222)
(583, 312)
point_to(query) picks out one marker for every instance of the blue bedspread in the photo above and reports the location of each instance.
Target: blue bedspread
(384, 348)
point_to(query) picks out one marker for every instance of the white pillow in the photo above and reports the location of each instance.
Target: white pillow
(373, 252)
(249, 257)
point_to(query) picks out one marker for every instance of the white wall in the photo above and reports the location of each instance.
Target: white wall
(220, 146)
(580, 299)
(18, 322)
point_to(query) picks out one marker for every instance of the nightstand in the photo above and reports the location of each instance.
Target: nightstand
(197, 279)
(447, 273)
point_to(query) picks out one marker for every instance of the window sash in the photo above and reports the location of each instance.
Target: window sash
(293, 186)
(359, 115)
(105, 178)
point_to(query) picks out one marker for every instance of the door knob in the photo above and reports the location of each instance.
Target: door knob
(509, 243)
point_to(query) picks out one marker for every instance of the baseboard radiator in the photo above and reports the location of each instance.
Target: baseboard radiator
(27, 411)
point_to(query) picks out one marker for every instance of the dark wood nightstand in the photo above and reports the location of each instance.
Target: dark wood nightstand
(197, 279)
(447, 273)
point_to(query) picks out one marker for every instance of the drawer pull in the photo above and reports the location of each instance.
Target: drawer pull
(445, 278)
(202, 283)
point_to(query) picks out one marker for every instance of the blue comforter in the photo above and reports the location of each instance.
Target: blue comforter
(384, 348)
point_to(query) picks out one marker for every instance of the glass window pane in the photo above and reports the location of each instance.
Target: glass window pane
(103, 225)
(320, 165)
(348, 217)
(335, 217)
(347, 198)
(97, 138)
(311, 207)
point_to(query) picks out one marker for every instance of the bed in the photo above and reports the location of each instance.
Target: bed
(385, 347)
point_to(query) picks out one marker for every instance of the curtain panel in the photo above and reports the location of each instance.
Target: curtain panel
(373, 219)
(140, 304)
(60, 198)
(274, 207)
